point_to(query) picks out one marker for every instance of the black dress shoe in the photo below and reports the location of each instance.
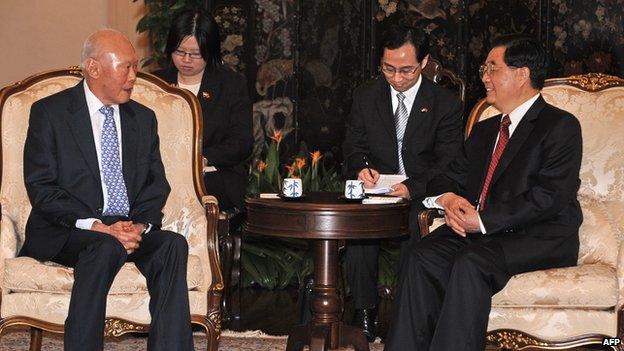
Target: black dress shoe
(365, 318)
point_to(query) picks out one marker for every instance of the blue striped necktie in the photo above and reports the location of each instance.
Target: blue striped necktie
(400, 122)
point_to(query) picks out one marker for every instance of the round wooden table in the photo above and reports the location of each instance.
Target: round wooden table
(325, 219)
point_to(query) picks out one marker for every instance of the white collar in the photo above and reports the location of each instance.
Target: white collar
(93, 103)
(410, 94)
(518, 113)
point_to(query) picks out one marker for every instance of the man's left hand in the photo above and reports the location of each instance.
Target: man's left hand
(470, 224)
(134, 228)
(400, 190)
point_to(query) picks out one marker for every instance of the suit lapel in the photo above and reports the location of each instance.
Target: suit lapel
(483, 149)
(209, 89)
(129, 139)
(420, 109)
(79, 123)
(384, 110)
(521, 133)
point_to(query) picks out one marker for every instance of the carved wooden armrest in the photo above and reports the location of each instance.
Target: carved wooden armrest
(425, 220)
(209, 199)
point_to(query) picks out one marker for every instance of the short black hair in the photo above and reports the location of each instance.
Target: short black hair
(398, 35)
(204, 28)
(523, 51)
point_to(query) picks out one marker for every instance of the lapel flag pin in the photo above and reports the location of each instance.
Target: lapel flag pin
(206, 95)
(424, 109)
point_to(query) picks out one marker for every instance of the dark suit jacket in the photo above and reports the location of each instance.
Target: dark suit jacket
(433, 135)
(227, 138)
(62, 175)
(531, 207)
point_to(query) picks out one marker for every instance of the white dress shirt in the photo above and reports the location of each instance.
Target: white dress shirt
(410, 96)
(193, 88)
(408, 101)
(97, 124)
(515, 116)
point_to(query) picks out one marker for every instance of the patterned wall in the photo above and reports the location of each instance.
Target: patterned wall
(303, 58)
(331, 64)
(579, 36)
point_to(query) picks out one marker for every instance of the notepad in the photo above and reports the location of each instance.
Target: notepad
(384, 184)
(376, 200)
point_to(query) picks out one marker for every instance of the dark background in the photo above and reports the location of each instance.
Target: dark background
(303, 58)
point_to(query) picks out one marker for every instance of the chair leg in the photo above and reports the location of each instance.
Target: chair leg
(235, 283)
(225, 251)
(226, 268)
(36, 336)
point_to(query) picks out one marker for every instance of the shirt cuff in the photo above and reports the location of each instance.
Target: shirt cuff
(86, 223)
(148, 228)
(481, 224)
(430, 202)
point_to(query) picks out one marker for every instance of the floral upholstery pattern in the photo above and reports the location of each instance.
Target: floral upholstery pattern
(587, 286)
(24, 274)
(41, 290)
(569, 302)
(554, 324)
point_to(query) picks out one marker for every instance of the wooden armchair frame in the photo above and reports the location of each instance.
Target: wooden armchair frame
(211, 321)
(511, 339)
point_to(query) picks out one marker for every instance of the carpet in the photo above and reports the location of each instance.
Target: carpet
(19, 340)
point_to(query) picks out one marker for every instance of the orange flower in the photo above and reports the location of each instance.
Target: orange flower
(277, 135)
(261, 166)
(301, 162)
(291, 169)
(316, 157)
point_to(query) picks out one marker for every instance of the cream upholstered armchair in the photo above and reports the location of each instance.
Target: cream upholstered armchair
(568, 307)
(36, 294)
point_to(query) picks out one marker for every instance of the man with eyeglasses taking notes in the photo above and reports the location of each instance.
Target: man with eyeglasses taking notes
(400, 123)
(510, 207)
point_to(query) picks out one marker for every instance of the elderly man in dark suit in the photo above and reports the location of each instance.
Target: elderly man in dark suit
(401, 123)
(510, 205)
(97, 186)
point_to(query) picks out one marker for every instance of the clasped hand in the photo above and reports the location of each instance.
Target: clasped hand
(459, 214)
(127, 232)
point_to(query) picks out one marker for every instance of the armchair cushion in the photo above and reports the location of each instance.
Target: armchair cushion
(597, 236)
(591, 286)
(25, 274)
(41, 291)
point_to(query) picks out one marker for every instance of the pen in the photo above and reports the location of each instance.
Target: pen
(365, 159)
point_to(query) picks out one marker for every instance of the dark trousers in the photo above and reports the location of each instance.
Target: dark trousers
(96, 259)
(444, 294)
(362, 264)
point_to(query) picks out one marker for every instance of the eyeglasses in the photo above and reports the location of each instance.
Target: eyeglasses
(192, 55)
(489, 68)
(404, 71)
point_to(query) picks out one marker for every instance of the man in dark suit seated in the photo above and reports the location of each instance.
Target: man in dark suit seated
(510, 207)
(97, 186)
(401, 123)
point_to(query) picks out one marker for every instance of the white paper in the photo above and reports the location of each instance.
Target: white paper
(375, 200)
(269, 196)
(384, 183)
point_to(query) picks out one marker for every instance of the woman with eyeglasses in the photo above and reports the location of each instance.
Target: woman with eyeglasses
(194, 50)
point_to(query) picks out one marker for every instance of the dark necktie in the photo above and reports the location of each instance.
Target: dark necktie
(117, 204)
(503, 138)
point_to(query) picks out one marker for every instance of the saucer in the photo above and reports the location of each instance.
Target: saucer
(342, 197)
(290, 198)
